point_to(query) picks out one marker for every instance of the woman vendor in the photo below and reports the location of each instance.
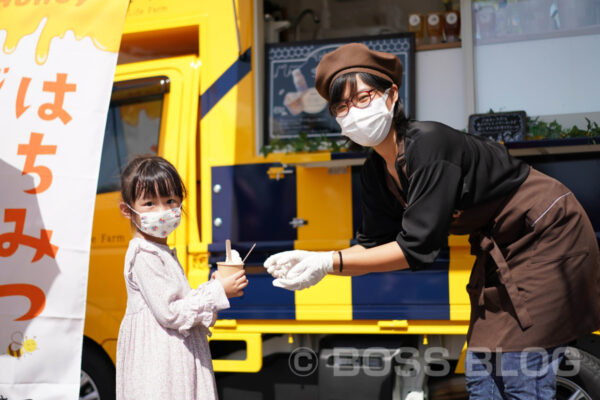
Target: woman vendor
(536, 278)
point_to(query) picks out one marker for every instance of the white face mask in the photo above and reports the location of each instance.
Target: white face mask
(158, 223)
(368, 126)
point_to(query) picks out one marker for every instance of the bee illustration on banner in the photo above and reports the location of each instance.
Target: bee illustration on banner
(21, 345)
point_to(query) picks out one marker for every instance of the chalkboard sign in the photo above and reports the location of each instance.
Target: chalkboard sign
(294, 106)
(501, 127)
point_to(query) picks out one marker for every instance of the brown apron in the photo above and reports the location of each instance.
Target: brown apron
(536, 278)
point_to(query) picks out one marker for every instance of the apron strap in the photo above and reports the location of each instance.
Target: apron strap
(488, 245)
(477, 278)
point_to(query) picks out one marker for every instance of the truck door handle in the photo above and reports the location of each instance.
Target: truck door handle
(298, 222)
(278, 173)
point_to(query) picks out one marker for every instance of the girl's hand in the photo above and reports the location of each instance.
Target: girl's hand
(233, 284)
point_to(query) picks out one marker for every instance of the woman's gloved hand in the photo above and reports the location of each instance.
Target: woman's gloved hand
(307, 272)
(279, 264)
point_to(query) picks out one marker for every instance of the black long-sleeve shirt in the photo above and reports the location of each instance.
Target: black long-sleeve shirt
(446, 170)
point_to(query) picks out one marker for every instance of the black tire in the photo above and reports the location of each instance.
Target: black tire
(97, 373)
(449, 388)
(583, 386)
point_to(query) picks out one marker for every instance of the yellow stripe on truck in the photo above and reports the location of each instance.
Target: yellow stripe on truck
(330, 300)
(461, 263)
(324, 200)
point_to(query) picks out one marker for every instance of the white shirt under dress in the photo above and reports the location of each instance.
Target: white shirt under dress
(162, 351)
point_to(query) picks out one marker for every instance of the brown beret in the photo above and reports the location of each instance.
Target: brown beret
(356, 57)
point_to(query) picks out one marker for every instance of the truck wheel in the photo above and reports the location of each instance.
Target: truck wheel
(583, 386)
(97, 373)
(449, 388)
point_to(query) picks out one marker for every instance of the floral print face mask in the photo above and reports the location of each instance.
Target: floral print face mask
(158, 223)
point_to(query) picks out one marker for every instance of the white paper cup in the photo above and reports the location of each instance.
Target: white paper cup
(225, 269)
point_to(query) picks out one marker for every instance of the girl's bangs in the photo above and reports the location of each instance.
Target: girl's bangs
(157, 182)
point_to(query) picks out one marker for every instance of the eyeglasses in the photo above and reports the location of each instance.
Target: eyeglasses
(361, 100)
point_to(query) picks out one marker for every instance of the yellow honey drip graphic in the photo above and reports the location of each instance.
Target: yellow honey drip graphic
(85, 18)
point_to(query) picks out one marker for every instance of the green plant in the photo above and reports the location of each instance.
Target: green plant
(537, 129)
(304, 143)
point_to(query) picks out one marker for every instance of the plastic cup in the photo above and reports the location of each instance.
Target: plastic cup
(225, 269)
(293, 102)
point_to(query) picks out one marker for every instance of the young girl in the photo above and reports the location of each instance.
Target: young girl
(162, 351)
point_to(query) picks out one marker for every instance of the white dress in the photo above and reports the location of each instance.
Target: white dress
(162, 351)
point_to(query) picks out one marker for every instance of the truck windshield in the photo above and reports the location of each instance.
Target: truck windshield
(132, 126)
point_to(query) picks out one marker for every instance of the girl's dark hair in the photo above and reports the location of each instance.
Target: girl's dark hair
(339, 85)
(150, 175)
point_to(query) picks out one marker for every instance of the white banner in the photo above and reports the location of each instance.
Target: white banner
(57, 62)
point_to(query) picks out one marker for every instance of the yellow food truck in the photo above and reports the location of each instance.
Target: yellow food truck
(190, 86)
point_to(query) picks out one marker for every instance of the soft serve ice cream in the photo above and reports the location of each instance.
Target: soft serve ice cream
(235, 258)
(233, 262)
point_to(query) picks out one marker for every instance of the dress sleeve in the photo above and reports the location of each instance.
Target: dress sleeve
(431, 201)
(174, 305)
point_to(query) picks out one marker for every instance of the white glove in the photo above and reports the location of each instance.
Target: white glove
(279, 264)
(307, 273)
